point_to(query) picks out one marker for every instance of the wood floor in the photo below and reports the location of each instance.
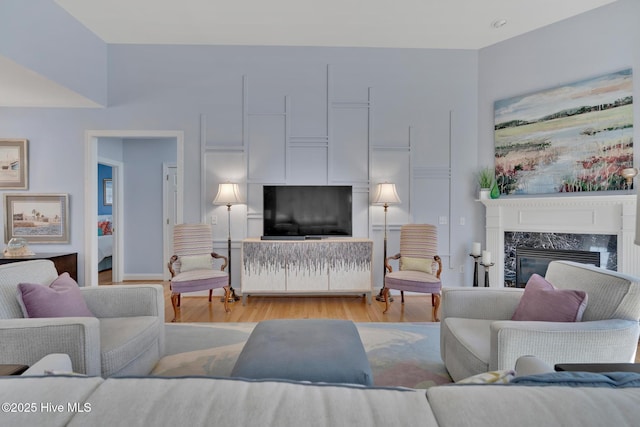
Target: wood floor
(417, 308)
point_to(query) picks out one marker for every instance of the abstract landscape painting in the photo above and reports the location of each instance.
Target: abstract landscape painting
(576, 137)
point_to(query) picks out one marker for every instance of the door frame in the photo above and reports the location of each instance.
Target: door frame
(117, 214)
(91, 189)
(165, 216)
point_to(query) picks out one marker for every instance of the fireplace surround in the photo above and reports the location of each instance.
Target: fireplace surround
(575, 214)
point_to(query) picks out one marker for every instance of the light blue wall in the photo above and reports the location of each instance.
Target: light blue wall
(594, 43)
(41, 36)
(143, 213)
(104, 172)
(444, 96)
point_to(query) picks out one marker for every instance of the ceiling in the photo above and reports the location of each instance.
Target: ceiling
(439, 24)
(442, 24)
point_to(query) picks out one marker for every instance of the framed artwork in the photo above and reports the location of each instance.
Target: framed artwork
(37, 218)
(576, 137)
(107, 192)
(13, 164)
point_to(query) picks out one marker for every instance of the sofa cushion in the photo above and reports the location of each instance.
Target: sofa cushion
(202, 401)
(541, 301)
(468, 346)
(125, 339)
(62, 298)
(508, 405)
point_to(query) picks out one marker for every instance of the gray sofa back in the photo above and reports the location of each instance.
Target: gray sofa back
(42, 272)
(612, 295)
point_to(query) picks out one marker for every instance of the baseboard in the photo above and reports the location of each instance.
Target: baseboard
(143, 277)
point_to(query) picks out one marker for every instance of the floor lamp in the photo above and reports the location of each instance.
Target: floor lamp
(228, 195)
(385, 195)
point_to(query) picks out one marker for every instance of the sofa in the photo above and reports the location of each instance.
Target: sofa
(125, 335)
(201, 401)
(477, 333)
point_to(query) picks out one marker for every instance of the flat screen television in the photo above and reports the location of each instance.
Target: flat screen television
(303, 211)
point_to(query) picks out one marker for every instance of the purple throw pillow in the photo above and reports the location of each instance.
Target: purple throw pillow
(543, 302)
(62, 298)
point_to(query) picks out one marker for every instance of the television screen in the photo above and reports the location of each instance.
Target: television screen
(307, 210)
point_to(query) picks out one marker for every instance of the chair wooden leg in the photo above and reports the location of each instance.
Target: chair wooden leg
(436, 306)
(385, 295)
(402, 296)
(227, 295)
(210, 293)
(174, 302)
(433, 299)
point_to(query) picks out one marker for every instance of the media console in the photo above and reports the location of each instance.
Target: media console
(306, 267)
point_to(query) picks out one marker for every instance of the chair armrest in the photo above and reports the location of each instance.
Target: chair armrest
(29, 340)
(125, 300)
(480, 303)
(613, 340)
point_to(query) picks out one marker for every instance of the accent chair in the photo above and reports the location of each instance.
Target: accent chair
(192, 266)
(420, 267)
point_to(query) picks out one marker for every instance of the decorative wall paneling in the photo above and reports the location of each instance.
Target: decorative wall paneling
(271, 155)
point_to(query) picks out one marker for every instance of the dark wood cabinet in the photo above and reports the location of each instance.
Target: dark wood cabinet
(64, 261)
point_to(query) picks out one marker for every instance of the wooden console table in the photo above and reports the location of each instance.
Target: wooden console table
(7, 370)
(306, 267)
(64, 261)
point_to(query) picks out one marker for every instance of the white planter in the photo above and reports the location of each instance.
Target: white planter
(485, 193)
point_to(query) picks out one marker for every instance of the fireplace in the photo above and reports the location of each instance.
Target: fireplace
(611, 215)
(537, 249)
(530, 261)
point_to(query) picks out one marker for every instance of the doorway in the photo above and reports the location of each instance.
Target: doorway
(91, 195)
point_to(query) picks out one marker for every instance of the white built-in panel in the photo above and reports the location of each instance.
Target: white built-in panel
(350, 144)
(266, 142)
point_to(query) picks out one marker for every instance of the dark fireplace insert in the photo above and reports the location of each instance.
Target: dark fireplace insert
(530, 261)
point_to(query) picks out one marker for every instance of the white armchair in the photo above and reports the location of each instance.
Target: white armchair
(125, 338)
(477, 334)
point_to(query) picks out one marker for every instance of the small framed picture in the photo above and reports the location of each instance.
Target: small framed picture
(107, 192)
(37, 218)
(13, 164)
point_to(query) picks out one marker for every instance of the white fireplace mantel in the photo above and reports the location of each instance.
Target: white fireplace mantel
(602, 214)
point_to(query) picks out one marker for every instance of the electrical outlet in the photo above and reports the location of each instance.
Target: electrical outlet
(443, 220)
(214, 219)
(463, 220)
(461, 269)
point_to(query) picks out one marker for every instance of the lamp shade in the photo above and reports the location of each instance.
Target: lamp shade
(228, 194)
(386, 194)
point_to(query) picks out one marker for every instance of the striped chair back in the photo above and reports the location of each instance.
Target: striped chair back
(192, 239)
(418, 241)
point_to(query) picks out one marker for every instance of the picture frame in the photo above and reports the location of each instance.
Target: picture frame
(14, 170)
(37, 218)
(107, 192)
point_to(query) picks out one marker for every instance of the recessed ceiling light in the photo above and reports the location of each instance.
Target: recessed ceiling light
(499, 23)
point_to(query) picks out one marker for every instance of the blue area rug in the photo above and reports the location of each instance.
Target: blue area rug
(400, 354)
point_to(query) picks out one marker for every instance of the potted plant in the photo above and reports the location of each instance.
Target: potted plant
(485, 180)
